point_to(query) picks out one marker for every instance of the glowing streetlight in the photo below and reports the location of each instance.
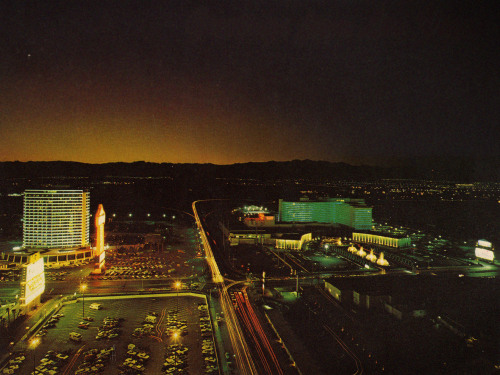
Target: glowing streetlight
(177, 286)
(82, 288)
(33, 344)
(175, 336)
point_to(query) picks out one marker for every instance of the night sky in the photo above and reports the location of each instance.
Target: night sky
(224, 82)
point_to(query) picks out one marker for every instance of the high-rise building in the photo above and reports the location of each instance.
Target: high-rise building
(353, 213)
(55, 219)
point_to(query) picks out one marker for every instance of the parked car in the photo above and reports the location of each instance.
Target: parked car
(96, 306)
(75, 336)
(83, 325)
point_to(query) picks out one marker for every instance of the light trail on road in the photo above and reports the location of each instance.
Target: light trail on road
(246, 320)
(255, 329)
(158, 328)
(73, 360)
(244, 359)
(262, 334)
(242, 352)
(216, 275)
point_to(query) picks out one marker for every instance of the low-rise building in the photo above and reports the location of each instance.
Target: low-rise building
(398, 296)
(382, 239)
(292, 241)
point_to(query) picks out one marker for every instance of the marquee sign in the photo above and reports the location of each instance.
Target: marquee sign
(32, 281)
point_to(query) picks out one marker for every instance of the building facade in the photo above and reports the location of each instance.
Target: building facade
(56, 219)
(381, 239)
(353, 213)
(293, 243)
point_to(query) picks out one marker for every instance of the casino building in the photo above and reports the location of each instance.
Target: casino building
(56, 223)
(56, 219)
(353, 213)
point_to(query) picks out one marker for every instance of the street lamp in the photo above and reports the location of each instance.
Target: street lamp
(33, 344)
(177, 286)
(175, 336)
(82, 288)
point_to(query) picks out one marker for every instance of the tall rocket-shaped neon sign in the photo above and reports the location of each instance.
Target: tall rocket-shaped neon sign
(100, 219)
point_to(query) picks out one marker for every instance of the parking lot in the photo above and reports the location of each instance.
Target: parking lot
(152, 334)
(183, 259)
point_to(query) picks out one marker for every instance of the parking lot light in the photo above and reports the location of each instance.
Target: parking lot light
(177, 286)
(175, 336)
(33, 344)
(82, 288)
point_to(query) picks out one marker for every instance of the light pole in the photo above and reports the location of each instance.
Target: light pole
(175, 336)
(33, 344)
(82, 288)
(177, 286)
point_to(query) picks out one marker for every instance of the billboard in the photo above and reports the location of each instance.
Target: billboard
(484, 243)
(485, 254)
(33, 281)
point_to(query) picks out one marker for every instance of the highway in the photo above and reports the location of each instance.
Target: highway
(244, 360)
(268, 363)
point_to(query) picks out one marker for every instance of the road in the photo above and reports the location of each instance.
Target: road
(268, 363)
(244, 360)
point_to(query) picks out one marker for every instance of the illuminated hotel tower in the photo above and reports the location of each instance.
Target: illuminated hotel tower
(55, 219)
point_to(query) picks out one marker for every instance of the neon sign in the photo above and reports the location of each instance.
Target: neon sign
(33, 281)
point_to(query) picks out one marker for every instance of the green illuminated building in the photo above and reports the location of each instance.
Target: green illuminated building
(353, 213)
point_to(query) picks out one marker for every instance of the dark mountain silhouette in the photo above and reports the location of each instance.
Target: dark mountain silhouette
(453, 169)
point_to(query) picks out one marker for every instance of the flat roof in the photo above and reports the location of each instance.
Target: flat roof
(407, 289)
